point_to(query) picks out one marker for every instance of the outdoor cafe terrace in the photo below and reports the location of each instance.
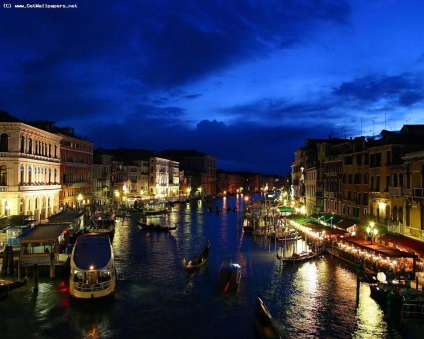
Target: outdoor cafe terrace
(378, 256)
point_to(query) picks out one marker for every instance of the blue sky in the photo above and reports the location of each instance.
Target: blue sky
(245, 81)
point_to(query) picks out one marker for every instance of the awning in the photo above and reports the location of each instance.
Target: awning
(66, 216)
(43, 233)
(329, 218)
(346, 223)
(383, 250)
(404, 243)
(285, 209)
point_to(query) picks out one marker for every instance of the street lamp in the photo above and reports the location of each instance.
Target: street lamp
(372, 232)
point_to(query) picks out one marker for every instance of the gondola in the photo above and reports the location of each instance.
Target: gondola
(299, 257)
(155, 227)
(264, 322)
(199, 259)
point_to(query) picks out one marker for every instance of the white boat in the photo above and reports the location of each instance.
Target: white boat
(156, 208)
(103, 223)
(93, 272)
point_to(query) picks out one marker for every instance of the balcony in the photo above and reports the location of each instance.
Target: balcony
(25, 187)
(414, 193)
(328, 194)
(36, 156)
(396, 191)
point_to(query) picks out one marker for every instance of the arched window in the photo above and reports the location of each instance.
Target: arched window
(401, 179)
(30, 146)
(29, 175)
(357, 178)
(395, 180)
(50, 175)
(400, 214)
(3, 175)
(4, 143)
(395, 213)
(22, 144)
(22, 174)
(55, 173)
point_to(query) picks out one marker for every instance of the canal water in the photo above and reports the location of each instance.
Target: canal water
(157, 298)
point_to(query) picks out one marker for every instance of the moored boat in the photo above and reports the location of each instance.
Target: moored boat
(264, 322)
(103, 223)
(229, 277)
(392, 296)
(156, 208)
(299, 257)
(92, 267)
(155, 227)
(199, 259)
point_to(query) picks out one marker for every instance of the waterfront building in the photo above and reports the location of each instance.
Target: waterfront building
(101, 175)
(118, 182)
(311, 175)
(412, 197)
(317, 175)
(297, 175)
(132, 187)
(375, 179)
(234, 182)
(333, 184)
(222, 182)
(185, 186)
(199, 166)
(144, 176)
(30, 169)
(76, 159)
(388, 170)
(161, 172)
(355, 187)
(174, 179)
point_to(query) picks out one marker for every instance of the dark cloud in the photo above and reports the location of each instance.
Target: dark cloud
(404, 89)
(124, 74)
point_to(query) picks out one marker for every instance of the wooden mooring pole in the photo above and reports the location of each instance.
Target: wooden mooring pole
(35, 276)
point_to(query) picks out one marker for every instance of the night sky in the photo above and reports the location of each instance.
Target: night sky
(245, 81)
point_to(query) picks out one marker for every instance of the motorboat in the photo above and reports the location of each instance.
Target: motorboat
(229, 277)
(103, 223)
(92, 267)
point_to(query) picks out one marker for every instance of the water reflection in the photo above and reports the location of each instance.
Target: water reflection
(157, 298)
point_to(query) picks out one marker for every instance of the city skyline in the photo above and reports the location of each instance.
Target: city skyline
(246, 82)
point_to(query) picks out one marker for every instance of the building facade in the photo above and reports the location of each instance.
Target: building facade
(29, 169)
